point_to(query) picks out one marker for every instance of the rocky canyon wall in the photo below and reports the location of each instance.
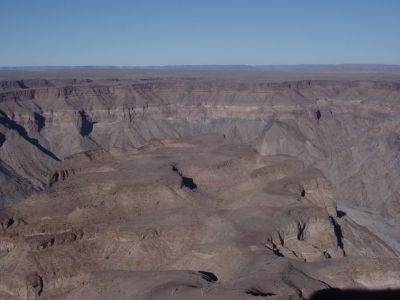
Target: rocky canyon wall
(348, 129)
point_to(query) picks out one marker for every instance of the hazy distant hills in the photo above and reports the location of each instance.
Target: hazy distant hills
(298, 68)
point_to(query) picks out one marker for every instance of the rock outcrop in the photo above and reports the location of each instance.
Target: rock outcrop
(356, 133)
(199, 188)
(126, 223)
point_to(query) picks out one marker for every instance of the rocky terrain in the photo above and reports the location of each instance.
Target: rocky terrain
(155, 186)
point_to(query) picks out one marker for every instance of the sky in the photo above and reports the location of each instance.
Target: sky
(198, 32)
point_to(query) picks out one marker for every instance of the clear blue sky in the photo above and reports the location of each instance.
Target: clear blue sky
(173, 32)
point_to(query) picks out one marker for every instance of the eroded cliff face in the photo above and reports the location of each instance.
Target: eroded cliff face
(128, 184)
(348, 129)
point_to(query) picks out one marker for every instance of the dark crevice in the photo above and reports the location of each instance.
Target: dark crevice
(188, 182)
(39, 120)
(275, 249)
(258, 293)
(300, 231)
(61, 175)
(39, 286)
(277, 252)
(185, 181)
(338, 233)
(2, 139)
(318, 114)
(86, 124)
(327, 255)
(7, 223)
(11, 124)
(54, 179)
(21, 84)
(193, 286)
(208, 276)
(36, 282)
(340, 213)
(175, 169)
(303, 193)
(281, 239)
(334, 294)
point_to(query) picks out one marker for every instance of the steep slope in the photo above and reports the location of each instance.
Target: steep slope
(348, 129)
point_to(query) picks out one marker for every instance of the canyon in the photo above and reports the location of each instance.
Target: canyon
(208, 184)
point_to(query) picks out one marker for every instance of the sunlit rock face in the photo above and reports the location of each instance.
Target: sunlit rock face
(133, 186)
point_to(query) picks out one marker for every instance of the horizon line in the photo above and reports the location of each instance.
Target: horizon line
(250, 66)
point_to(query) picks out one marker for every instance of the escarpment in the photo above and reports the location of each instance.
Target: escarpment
(153, 187)
(359, 122)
